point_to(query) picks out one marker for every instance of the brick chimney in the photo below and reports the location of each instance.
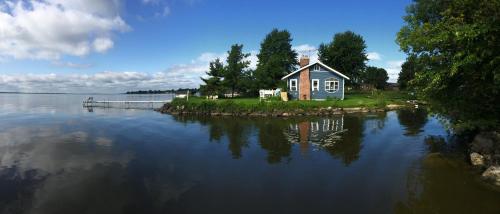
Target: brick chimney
(304, 80)
(304, 61)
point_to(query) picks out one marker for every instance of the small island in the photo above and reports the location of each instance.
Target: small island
(354, 102)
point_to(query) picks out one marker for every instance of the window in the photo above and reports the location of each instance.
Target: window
(315, 84)
(316, 67)
(293, 85)
(331, 85)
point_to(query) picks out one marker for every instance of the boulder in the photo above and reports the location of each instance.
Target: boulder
(476, 159)
(492, 174)
(485, 143)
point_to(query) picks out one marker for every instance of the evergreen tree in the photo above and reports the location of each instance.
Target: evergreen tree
(213, 84)
(276, 59)
(235, 68)
(347, 54)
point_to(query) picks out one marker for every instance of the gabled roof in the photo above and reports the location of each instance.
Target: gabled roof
(311, 64)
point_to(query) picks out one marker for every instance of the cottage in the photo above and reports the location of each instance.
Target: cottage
(315, 81)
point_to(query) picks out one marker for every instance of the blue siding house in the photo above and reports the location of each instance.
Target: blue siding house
(315, 81)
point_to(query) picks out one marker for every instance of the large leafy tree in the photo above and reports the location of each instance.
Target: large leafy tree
(376, 76)
(457, 45)
(213, 84)
(276, 59)
(408, 70)
(235, 68)
(347, 54)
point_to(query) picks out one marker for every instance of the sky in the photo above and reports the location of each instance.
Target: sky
(113, 46)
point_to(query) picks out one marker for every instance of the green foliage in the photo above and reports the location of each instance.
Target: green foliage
(408, 70)
(275, 105)
(456, 43)
(213, 84)
(376, 76)
(347, 54)
(380, 99)
(236, 65)
(276, 59)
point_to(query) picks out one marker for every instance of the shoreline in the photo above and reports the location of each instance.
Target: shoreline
(181, 110)
(483, 149)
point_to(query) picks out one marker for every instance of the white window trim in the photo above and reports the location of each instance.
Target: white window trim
(312, 85)
(291, 85)
(334, 89)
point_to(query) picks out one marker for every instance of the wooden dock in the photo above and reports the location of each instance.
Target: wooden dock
(90, 102)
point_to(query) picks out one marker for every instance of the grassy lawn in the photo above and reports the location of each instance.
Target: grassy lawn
(352, 100)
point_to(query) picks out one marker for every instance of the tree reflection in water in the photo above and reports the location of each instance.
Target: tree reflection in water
(236, 131)
(413, 120)
(340, 136)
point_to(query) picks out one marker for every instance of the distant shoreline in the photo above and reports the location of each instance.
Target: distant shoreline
(13, 92)
(90, 93)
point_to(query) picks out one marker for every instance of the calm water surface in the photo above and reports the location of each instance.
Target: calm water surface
(57, 157)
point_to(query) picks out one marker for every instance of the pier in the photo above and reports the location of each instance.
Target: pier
(128, 104)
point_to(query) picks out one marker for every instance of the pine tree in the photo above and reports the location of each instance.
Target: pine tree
(235, 69)
(213, 84)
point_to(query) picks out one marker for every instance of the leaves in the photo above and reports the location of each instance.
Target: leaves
(347, 54)
(276, 59)
(376, 76)
(455, 46)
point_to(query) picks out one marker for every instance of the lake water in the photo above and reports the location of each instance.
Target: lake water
(58, 157)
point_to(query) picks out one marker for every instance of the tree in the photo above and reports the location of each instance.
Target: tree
(276, 59)
(248, 84)
(376, 76)
(236, 65)
(408, 70)
(213, 84)
(347, 54)
(456, 43)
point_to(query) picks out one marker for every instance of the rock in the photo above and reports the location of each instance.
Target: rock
(286, 114)
(476, 159)
(484, 143)
(394, 106)
(492, 174)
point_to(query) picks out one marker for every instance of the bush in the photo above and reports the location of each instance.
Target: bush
(380, 99)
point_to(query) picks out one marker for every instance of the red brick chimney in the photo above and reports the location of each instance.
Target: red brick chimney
(304, 80)
(304, 61)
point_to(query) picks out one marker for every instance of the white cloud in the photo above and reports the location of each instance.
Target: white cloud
(374, 56)
(177, 76)
(393, 68)
(52, 28)
(103, 44)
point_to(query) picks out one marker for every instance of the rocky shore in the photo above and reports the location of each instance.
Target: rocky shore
(485, 155)
(180, 110)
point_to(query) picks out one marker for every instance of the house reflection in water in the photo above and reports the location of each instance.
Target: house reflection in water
(339, 136)
(319, 133)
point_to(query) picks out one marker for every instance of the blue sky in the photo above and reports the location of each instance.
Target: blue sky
(94, 45)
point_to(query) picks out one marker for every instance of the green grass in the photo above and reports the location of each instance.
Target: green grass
(249, 105)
